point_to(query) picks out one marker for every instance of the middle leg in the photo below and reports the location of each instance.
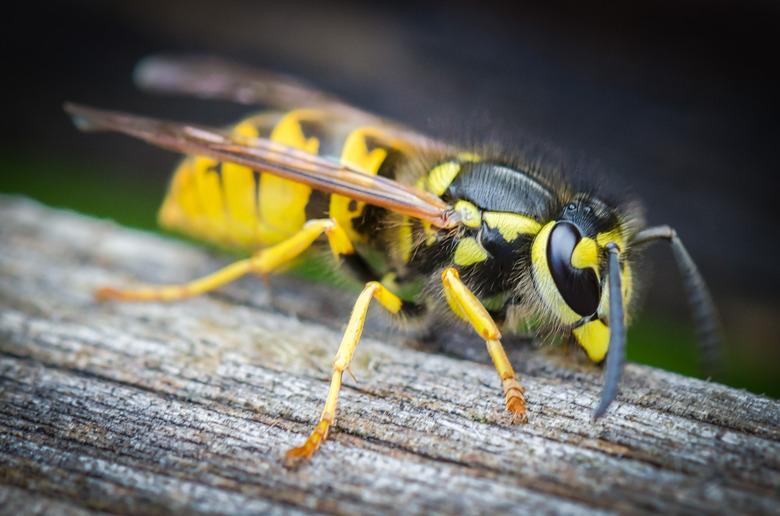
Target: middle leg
(349, 342)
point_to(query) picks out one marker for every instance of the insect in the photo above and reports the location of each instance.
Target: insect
(481, 236)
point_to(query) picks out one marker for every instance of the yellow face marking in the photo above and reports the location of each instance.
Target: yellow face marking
(283, 202)
(469, 214)
(511, 225)
(543, 279)
(441, 176)
(594, 338)
(614, 235)
(586, 254)
(356, 153)
(469, 252)
(626, 282)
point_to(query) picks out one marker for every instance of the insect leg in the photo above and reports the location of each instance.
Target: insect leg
(466, 305)
(263, 262)
(705, 315)
(349, 342)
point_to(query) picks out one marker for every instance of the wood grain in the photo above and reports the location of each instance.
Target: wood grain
(154, 408)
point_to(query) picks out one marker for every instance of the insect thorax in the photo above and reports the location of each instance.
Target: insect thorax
(515, 230)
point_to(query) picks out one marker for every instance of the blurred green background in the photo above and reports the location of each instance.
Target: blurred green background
(669, 102)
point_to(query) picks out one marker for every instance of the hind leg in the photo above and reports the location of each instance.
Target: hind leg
(263, 262)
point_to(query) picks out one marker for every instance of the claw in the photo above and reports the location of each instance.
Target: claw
(297, 456)
(106, 293)
(515, 401)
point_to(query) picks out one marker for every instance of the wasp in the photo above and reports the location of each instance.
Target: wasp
(477, 235)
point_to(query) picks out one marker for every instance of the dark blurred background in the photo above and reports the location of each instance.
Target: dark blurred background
(673, 102)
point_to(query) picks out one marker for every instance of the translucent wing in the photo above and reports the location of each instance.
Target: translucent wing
(318, 172)
(214, 78)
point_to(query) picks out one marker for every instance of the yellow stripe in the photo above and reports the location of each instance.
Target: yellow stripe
(469, 252)
(283, 202)
(469, 214)
(405, 241)
(240, 194)
(355, 152)
(626, 282)
(211, 197)
(468, 156)
(180, 206)
(511, 225)
(219, 207)
(441, 176)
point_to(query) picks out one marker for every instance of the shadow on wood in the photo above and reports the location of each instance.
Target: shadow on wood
(189, 406)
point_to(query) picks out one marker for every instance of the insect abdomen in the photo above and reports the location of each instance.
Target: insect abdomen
(234, 206)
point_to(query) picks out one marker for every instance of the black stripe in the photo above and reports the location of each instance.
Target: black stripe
(256, 180)
(317, 206)
(217, 169)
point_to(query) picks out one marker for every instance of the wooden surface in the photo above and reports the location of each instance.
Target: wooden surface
(189, 406)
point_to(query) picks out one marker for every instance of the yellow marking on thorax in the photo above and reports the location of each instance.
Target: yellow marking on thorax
(469, 252)
(441, 176)
(355, 152)
(468, 156)
(283, 202)
(470, 215)
(511, 225)
(405, 241)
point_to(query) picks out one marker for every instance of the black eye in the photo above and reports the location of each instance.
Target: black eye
(579, 288)
(571, 206)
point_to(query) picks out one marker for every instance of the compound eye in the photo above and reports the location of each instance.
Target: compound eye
(579, 288)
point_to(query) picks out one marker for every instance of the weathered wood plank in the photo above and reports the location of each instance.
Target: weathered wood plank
(189, 406)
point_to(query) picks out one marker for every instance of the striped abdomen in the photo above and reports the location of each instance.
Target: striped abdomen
(232, 205)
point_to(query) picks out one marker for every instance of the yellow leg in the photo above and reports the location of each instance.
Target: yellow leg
(263, 262)
(466, 305)
(341, 362)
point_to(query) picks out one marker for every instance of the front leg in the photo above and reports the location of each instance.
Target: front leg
(466, 305)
